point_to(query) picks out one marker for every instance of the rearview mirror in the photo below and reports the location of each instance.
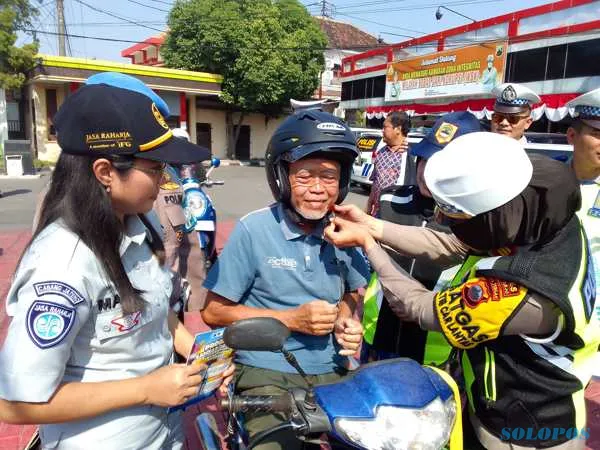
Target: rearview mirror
(258, 334)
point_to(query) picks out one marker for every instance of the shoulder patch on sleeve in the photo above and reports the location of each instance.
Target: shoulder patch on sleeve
(48, 323)
(477, 310)
(59, 288)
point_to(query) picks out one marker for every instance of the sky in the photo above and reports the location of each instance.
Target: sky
(136, 20)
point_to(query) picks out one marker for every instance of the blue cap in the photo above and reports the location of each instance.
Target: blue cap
(130, 83)
(101, 120)
(446, 128)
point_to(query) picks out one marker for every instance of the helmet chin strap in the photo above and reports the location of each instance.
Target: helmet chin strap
(300, 220)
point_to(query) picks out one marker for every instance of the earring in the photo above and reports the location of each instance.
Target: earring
(108, 189)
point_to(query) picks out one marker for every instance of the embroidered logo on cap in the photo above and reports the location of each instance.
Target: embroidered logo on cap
(48, 323)
(509, 94)
(109, 140)
(445, 133)
(159, 117)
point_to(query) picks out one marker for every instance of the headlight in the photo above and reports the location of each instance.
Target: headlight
(402, 428)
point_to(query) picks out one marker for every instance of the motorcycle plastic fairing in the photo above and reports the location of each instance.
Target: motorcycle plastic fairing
(399, 382)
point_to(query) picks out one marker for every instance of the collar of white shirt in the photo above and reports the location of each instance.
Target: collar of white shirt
(135, 232)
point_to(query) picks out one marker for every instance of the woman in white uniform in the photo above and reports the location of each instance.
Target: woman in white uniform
(89, 350)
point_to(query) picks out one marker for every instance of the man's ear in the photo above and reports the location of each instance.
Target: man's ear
(571, 133)
(528, 123)
(103, 170)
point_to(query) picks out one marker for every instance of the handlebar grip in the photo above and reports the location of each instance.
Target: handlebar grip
(258, 403)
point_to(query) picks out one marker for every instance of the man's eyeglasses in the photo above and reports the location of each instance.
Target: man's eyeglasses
(308, 180)
(513, 119)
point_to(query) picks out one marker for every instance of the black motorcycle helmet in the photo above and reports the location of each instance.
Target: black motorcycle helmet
(313, 133)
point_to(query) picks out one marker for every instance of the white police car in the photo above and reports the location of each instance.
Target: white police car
(369, 142)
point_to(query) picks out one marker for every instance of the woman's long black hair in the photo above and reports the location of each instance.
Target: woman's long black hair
(76, 197)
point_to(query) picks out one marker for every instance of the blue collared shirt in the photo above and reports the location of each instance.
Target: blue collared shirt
(269, 262)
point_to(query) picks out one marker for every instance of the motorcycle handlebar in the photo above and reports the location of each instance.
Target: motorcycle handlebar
(258, 403)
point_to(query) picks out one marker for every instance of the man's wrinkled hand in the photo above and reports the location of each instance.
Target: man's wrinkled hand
(316, 318)
(348, 333)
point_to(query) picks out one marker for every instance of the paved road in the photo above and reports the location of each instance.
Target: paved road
(245, 190)
(19, 197)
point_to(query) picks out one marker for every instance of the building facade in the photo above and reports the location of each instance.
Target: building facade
(553, 49)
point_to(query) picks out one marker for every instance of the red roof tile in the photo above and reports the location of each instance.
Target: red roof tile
(346, 36)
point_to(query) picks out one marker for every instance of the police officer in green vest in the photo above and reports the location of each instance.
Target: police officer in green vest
(412, 204)
(523, 319)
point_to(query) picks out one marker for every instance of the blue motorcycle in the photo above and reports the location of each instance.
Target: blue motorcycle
(200, 214)
(387, 405)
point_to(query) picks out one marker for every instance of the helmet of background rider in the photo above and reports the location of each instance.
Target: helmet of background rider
(309, 133)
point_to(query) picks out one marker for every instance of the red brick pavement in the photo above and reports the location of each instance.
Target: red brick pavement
(15, 437)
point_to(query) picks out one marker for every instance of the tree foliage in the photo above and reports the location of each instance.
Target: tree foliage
(15, 61)
(267, 51)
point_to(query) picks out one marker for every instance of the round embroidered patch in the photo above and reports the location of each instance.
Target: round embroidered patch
(48, 323)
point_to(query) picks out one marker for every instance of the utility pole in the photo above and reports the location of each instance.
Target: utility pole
(60, 16)
(327, 9)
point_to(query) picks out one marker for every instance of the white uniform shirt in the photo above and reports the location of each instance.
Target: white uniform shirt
(68, 326)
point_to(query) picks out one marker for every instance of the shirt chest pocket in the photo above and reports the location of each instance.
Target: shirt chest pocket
(114, 325)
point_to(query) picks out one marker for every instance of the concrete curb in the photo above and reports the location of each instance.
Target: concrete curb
(22, 177)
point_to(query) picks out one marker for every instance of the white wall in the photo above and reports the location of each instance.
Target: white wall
(3, 121)
(47, 150)
(260, 132)
(216, 119)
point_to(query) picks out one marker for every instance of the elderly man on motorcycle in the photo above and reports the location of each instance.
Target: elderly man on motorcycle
(277, 264)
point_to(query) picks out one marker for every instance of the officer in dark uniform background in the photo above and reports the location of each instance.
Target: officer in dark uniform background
(412, 204)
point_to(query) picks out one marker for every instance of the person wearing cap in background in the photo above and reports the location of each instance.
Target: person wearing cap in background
(512, 110)
(526, 337)
(584, 136)
(183, 253)
(413, 204)
(489, 76)
(89, 347)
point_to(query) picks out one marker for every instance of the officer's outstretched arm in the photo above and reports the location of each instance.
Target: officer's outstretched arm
(477, 311)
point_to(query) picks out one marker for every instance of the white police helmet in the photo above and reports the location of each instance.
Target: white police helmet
(476, 173)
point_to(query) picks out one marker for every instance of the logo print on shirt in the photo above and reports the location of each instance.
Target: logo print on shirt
(48, 323)
(108, 303)
(126, 323)
(282, 263)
